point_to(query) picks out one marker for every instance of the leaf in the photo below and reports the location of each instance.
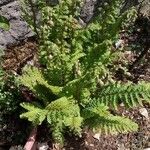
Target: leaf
(129, 94)
(101, 120)
(33, 78)
(111, 124)
(4, 23)
(34, 114)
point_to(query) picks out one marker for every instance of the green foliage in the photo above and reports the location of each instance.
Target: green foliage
(35, 114)
(129, 94)
(74, 85)
(10, 98)
(105, 122)
(34, 79)
(9, 94)
(4, 24)
(60, 114)
(3, 95)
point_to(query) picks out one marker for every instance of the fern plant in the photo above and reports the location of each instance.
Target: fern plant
(75, 87)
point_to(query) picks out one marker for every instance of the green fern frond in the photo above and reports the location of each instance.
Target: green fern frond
(60, 104)
(73, 59)
(101, 120)
(74, 124)
(129, 94)
(111, 124)
(57, 132)
(35, 114)
(66, 112)
(60, 114)
(61, 108)
(100, 109)
(34, 80)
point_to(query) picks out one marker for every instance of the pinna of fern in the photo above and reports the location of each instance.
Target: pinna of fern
(129, 94)
(61, 113)
(101, 120)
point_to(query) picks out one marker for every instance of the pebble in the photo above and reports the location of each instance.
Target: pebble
(43, 146)
(19, 147)
(92, 145)
(121, 147)
(97, 136)
(144, 112)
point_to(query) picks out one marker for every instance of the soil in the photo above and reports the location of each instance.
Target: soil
(16, 56)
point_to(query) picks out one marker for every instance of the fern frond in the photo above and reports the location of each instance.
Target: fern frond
(111, 124)
(66, 111)
(129, 94)
(60, 104)
(57, 132)
(100, 109)
(74, 124)
(34, 80)
(61, 108)
(106, 123)
(72, 59)
(35, 114)
(60, 113)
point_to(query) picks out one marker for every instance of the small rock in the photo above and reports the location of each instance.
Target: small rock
(121, 147)
(119, 44)
(146, 148)
(97, 136)
(144, 112)
(92, 145)
(122, 105)
(5, 127)
(19, 147)
(43, 146)
(86, 143)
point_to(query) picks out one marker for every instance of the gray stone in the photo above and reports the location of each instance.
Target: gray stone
(4, 2)
(88, 9)
(145, 8)
(19, 29)
(11, 11)
(6, 38)
(144, 112)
